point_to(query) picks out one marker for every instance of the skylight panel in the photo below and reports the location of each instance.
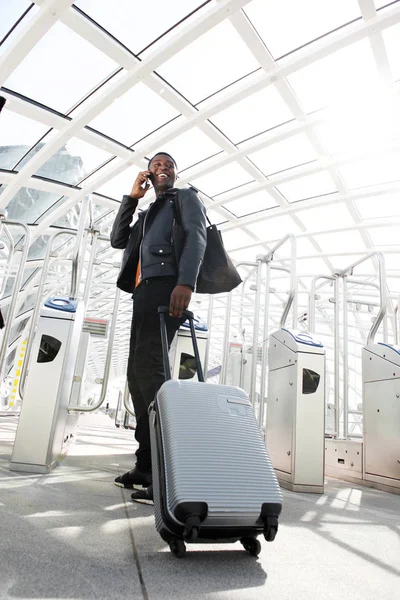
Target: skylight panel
(191, 147)
(134, 115)
(250, 254)
(274, 229)
(235, 238)
(216, 59)
(343, 241)
(379, 207)
(288, 24)
(28, 204)
(60, 69)
(347, 73)
(334, 215)
(73, 161)
(385, 236)
(143, 20)
(361, 126)
(348, 134)
(283, 155)
(308, 186)
(216, 217)
(259, 201)
(37, 249)
(223, 179)
(69, 219)
(117, 186)
(377, 170)
(304, 247)
(18, 134)
(253, 115)
(11, 11)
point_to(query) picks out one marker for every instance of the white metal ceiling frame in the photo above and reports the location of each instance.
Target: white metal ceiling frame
(285, 131)
(266, 60)
(379, 51)
(173, 133)
(301, 117)
(384, 21)
(254, 237)
(98, 103)
(372, 223)
(52, 3)
(210, 131)
(319, 202)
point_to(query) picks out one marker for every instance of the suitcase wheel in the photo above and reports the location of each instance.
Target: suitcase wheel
(251, 545)
(270, 533)
(191, 531)
(178, 548)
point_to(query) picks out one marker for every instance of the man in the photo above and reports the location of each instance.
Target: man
(156, 276)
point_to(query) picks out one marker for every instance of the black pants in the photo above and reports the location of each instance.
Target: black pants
(145, 363)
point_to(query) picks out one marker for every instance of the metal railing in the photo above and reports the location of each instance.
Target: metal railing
(39, 303)
(228, 311)
(110, 347)
(17, 285)
(382, 288)
(257, 268)
(345, 275)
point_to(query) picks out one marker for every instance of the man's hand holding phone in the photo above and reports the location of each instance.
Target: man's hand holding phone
(141, 185)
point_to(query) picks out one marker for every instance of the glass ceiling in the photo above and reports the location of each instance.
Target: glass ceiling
(284, 115)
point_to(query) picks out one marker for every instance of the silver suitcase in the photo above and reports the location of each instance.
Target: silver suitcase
(213, 480)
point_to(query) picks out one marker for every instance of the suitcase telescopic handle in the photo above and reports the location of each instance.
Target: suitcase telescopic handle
(162, 311)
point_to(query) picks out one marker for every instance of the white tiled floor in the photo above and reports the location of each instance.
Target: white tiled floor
(72, 534)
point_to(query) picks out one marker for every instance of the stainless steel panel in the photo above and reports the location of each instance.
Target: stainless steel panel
(377, 368)
(279, 355)
(280, 417)
(382, 428)
(343, 457)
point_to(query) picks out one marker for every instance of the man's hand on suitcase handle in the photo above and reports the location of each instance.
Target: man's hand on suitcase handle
(180, 300)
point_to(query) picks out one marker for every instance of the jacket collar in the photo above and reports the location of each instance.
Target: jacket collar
(168, 194)
(171, 192)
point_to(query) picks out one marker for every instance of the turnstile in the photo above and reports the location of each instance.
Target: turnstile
(296, 410)
(45, 428)
(182, 360)
(381, 414)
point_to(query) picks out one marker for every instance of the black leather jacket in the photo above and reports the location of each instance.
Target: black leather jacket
(151, 238)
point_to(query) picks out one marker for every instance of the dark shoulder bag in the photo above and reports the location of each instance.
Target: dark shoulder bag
(217, 273)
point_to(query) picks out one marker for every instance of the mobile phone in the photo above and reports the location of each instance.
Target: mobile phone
(145, 182)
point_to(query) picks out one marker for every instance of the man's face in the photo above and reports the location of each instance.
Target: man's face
(163, 172)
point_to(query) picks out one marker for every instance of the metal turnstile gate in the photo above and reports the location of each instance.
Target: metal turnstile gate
(45, 428)
(381, 418)
(296, 410)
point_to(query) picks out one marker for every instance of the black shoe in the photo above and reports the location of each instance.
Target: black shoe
(133, 478)
(143, 496)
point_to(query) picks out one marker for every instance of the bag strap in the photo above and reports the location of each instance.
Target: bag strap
(178, 210)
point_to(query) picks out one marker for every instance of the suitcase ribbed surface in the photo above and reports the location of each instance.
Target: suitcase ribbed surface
(214, 453)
